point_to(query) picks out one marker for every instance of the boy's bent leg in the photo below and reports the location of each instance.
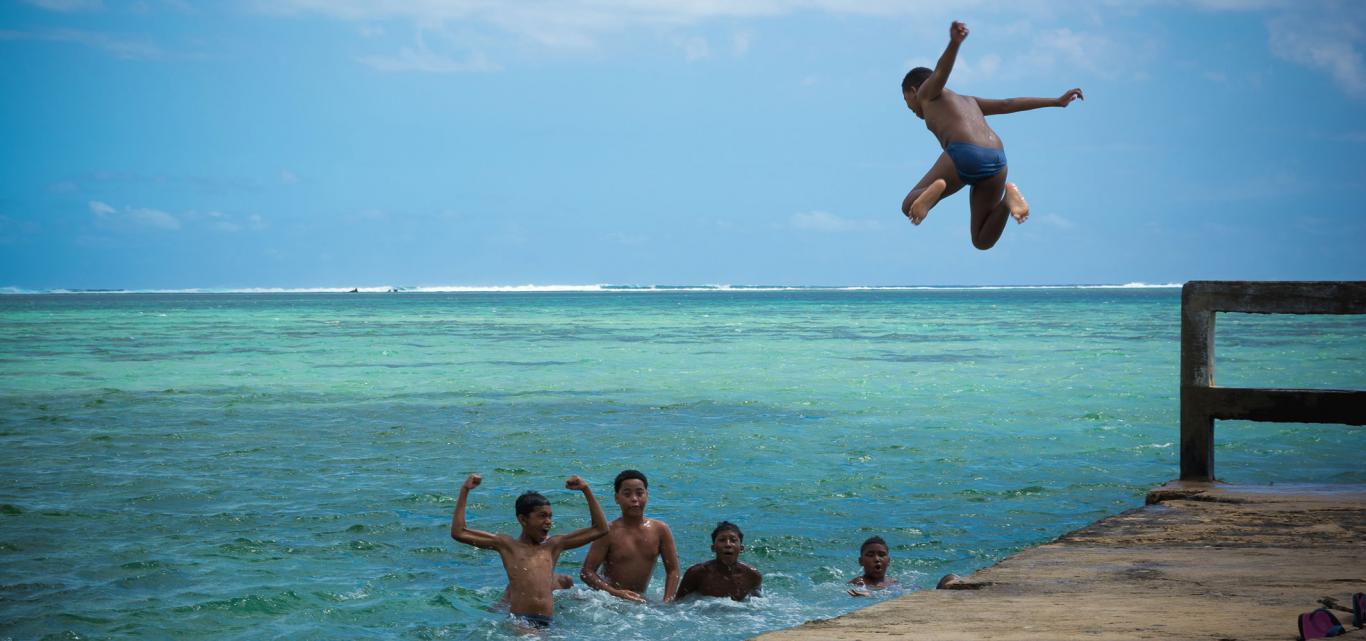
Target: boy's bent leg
(943, 170)
(989, 211)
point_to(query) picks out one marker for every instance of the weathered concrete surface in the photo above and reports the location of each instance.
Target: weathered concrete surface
(1208, 561)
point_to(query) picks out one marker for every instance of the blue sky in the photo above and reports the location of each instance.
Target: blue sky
(337, 143)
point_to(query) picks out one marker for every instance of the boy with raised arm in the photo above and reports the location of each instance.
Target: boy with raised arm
(627, 554)
(725, 575)
(529, 559)
(973, 154)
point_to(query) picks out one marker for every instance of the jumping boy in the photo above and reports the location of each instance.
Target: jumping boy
(627, 554)
(875, 559)
(530, 558)
(725, 575)
(973, 154)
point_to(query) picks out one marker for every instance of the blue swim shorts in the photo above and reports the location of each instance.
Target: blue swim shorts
(536, 621)
(975, 164)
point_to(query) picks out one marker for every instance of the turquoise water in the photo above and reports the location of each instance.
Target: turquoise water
(235, 466)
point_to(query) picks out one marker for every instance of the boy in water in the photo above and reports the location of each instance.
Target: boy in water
(725, 575)
(530, 558)
(874, 559)
(627, 554)
(973, 155)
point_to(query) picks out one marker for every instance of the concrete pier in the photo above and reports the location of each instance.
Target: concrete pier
(1200, 561)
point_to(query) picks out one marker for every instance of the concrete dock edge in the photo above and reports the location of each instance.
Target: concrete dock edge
(1199, 561)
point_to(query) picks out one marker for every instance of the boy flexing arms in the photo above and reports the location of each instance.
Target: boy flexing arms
(725, 575)
(973, 154)
(627, 554)
(529, 559)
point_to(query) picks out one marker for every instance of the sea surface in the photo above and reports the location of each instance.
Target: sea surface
(284, 465)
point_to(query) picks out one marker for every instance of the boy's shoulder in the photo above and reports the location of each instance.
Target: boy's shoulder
(698, 568)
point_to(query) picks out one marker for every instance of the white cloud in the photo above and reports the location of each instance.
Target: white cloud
(424, 60)
(119, 48)
(154, 218)
(100, 209)
(821, 221)
(113, 218)
(1064, 46)
(1331, 42)
(288, 177)
(695, 48)
(67, 6)
(1053, 220)
(626, 239)
(740, 42)
(368, 216)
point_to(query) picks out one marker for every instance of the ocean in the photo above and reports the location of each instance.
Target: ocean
(284, 465)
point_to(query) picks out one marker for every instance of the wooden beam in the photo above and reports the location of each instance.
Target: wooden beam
(1347, 407)
(1281, 297)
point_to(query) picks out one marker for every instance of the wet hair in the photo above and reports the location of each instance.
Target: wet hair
(627, 475)
(529, 501)
(725, 526)
(914, 78)
(872, 540)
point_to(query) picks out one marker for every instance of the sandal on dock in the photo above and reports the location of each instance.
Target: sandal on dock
(1319, 624)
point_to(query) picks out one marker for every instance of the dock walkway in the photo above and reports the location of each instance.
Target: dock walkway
(1200, 561)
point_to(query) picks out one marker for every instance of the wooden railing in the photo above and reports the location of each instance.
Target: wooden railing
(1202, 402)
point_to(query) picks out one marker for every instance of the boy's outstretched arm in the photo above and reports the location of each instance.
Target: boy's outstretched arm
(458, 530)
(934, 85)
(599, 527)
(992, 107)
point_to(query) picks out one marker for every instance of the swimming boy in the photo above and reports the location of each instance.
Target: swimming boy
(627, 554)
(973, 154)
(529, 559)
(875, 559)
(725, 575)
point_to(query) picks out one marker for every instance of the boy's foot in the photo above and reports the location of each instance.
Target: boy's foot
(927, 199)
(1019, 209)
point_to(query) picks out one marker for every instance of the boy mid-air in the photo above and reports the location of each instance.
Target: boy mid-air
(529, 559)
(973, 154)
(627, 554)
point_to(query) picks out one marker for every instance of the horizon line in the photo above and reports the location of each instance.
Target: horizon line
(568, 288)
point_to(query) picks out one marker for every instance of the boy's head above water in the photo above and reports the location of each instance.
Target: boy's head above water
(727, 526)
(534, 513)
(727, 541)
(872, 540)
(874, 557)
(632, 493)
(627, 475)
(910, 86)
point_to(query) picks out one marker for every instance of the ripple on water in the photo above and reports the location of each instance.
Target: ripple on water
(266, 602)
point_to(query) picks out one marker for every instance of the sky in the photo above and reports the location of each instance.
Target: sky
(175, 144)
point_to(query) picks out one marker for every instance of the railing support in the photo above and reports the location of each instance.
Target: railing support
(1202, 402)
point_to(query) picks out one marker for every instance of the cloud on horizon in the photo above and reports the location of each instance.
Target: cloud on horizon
(820, 221)
(147, 218)
(1332, 45)
(118, 47)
